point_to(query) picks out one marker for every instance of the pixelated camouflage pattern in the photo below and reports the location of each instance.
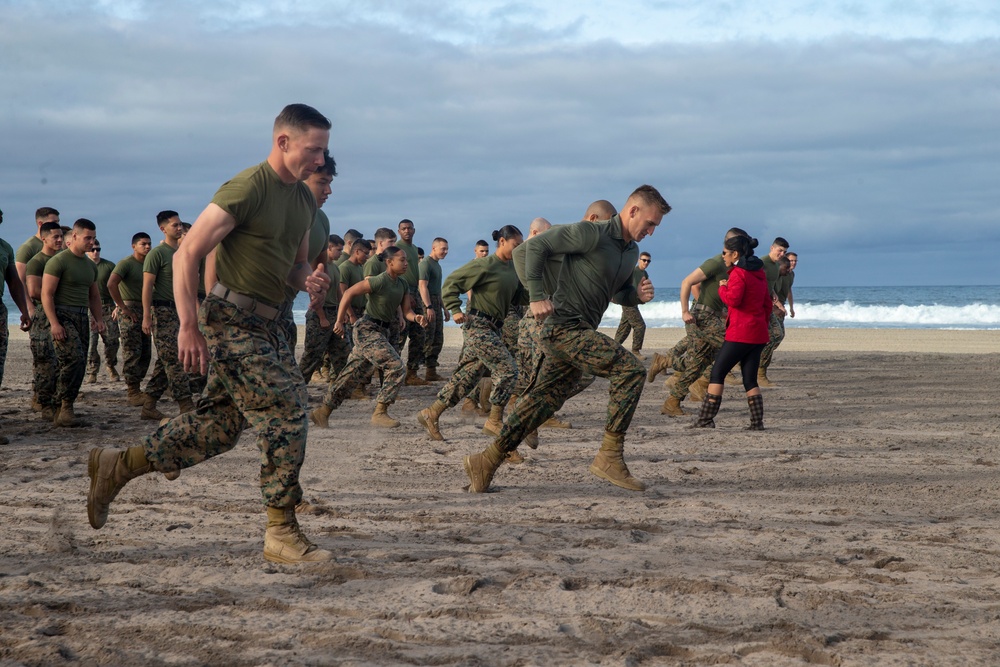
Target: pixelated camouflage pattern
(4, 339)
(110, 337)
(286, 321)
(71, 354)
(568, 353)
(167, 372)
(511, 324)
(136, 347)
(372, 350)
(705, 338)
(415, 334)
(483, 349)
(776, 330)
(43, 356)
(529, 358)
(434, 335)
(253, 381)
(631, 322)
(321, 343)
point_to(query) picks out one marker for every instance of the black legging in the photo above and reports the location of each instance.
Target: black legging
(747, 355)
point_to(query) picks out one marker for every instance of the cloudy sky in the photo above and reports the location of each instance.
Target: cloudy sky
(867, 134)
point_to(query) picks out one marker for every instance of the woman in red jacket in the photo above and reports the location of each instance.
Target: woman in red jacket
(746, 294)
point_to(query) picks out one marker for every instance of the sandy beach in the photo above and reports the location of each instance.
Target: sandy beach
(861, 528)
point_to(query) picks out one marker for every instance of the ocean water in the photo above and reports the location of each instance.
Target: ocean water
(935, 307)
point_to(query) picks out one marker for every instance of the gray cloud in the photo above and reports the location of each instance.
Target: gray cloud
(876, 159)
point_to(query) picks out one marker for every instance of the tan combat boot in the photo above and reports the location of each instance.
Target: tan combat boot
(639, 355)
(495, 422)
(513, 457)
(428, 418)
(697, 391)
(92, 378)
(321, 416)
(135, 396)
(555, 422)
(36, 405)
(359, 394)
(431, 375)
(661, 362)
(285, 543)
(109, 470)
(610, 465)
(113, 374)
(481, 467)
(49, 413)
(65, 417)
(149, 410)
(469, 407)
(672, 407)
(381, 417)
(414, 380)
(485, 389)
(531, 440)
(185, 405)
(762, 380)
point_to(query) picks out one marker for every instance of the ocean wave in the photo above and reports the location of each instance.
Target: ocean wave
(847, 314)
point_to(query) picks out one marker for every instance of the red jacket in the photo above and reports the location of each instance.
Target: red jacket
(749, 302)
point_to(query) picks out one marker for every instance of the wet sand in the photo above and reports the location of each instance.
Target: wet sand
(860, 528)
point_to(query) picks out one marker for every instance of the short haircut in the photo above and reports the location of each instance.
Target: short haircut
(301, 117)
(781, 243)
(404, 221)
(602, 208)
(352, 235)
(652, 197)
(383, 233)
(49, 227)
(139, 237)
(784, 263)
(645, 254)
(186, 226)
(437, 240)
(83, 223)
(329, 165)
(66, 229)
(361, 244)
(736, 231)
(791, 254)
(482, 242)
(45, 212)
(163, 216)
(420, 251)
(336, 240)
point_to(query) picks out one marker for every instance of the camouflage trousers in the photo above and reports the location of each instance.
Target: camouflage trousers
(110, 338)
(705, 338)
(253, 382)
(321, 342)
(167, 372)
(71, 353)
(415, 334)
(510, 332)
(372, 351)
(776, 330)
(286, 320)
(43, 355)
(529, 358)
(631, 322)
(136, 346)
(483, 349)
(4, 338)
(434, 335)
(568, 352)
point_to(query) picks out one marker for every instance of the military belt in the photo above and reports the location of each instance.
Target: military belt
(498, 323)
(244, 302)
(699, 306)
(164, 303)
(79, 310)
(381, 323)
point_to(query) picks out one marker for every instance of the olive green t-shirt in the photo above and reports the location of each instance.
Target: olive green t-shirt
(493, 282)
(28, 249)
(351, 274)
(272, 217)
(374, 266)
(160, 263)
(597, 269)
(333, 294)
(130, 270)
(430, 270)
(104, 269)
(715, 270)
(7, 258)
(412, 274)
(637, 276)
(772, 271)
(36, 265)
(784, 286)
(76, 275)
(386, 295)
